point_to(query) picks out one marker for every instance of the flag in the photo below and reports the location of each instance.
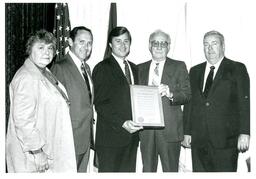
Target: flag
(111, 25)
(61, 29)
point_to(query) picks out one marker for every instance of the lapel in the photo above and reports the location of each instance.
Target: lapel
(145, 73)
(168, 70)
(72, 68)
(88, 70)
(201, 77)
(31, 67)
(116, 70)
(218, 75)
(134, 72)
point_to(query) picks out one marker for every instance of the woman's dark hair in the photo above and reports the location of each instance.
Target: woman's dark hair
(40, 36)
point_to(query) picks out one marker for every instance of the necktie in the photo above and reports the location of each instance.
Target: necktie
(209, 81)
(83, 68)
(127, 72)
(155, 80)
(54, 81)
(84, 71)
(156, 70)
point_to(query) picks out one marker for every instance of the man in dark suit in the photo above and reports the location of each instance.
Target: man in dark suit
(116, 136)
(217, 119)
(171, 76)
(74, 73)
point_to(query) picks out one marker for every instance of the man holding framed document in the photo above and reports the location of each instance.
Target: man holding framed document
(170, 78)
(116, 135)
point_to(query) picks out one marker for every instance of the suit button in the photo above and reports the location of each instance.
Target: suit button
(207, 104)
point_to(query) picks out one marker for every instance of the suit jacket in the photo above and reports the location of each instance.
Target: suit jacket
(225, 113)
(175, 75)
(39, 118)
(81, 107)
(112, 103)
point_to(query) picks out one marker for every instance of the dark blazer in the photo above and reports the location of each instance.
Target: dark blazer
(81, 108)
(225, 113)
(112, 103)
(175, 75)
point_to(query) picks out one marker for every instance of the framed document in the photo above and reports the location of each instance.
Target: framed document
(146, 106)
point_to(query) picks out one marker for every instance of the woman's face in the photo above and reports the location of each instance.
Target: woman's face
(42, 54)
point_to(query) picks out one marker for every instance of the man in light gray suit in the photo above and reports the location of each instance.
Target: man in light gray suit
(74, 73)
(171, 77)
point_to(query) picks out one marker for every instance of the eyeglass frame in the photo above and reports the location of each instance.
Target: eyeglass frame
(159, 44)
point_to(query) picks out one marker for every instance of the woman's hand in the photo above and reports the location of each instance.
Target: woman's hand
(41, 162)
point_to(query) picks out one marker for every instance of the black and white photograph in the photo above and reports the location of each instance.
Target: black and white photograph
(128, 86)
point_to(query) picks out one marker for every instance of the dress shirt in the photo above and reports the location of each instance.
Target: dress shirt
(207, 70)
(122, 66)
(78, 64)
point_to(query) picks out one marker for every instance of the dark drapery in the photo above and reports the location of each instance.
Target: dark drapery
(22, 19)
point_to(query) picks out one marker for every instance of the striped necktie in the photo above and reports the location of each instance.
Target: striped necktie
(84, 71)
(155, 80)
(127, 72)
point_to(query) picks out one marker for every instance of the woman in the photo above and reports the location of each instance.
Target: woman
(39, 134)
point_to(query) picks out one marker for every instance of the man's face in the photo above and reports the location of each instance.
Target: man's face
(121, 45)
(159, 47)
(213, 49)
(82, 45)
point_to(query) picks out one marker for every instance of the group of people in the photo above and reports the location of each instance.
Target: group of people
(50, 127)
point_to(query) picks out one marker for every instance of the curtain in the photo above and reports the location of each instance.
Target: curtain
(21, 19)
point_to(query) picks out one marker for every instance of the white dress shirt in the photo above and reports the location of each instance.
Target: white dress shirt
(120, 61)
(208, 68)
(78, 64)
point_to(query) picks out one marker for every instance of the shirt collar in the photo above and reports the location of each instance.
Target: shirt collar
(216, 65)
(76, 60)
(161, 62)
(118, 58)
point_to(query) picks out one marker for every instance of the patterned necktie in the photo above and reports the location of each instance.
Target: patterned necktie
(155, 80)
(156, 70)
(83, 68)
(127, 72)
(209, 81)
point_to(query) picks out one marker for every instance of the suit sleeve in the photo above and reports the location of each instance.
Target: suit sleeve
(182, 91)
(24, 97)
(243, 95)
(187, 114)
(102, 100)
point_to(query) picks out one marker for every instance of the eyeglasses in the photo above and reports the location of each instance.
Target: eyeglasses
(159, 44)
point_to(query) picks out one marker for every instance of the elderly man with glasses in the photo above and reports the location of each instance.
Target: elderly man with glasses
(171, 77)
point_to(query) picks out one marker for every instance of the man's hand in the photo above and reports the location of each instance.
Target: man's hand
(164, 91)
(187, 141)
(243, 142)
(41, 161)
(131, 127)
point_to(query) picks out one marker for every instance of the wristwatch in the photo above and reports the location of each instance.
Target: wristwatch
(36, 151)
